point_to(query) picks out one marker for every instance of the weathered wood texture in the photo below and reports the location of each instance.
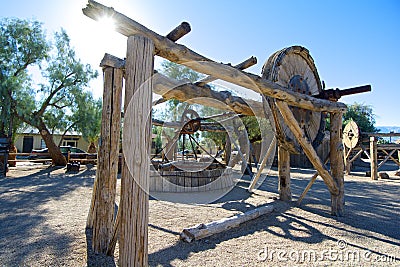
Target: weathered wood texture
(307, 147)
(241, 66)
(285, 194)
(177, 33)
(337, 164)
(373, 151)
(107, 167)
(136, 172)
(204, 230)
(188, 92)
(183, 55)
(191, 93)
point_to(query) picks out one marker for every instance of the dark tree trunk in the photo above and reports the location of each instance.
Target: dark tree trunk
(54, 151)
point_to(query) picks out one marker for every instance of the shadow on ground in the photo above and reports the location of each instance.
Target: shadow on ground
(25, 234)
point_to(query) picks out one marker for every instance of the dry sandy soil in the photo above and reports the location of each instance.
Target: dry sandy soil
(43, 213)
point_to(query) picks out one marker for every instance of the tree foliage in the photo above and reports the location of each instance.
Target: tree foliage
(53, 103)
(363, 115)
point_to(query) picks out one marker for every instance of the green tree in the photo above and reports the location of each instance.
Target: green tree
(363, 115)
(47, 106)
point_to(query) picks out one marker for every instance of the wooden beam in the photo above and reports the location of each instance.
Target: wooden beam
(337, 164)
(181, 54)
(262, 165)
(285, 194)
(190, 93)
(381, 134)
(388, 155)
(392, 158)
(308, 187)
(204, 230)
(101, 214)
(291, 122)
(241, 66)
(180, 31)
(133, 248)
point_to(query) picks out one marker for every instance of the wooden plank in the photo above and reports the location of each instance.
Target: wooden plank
(183, 55)
(337, 164)
(285, 194)
(290, 120)
(374, 157)
(204, 230)
(133, 248)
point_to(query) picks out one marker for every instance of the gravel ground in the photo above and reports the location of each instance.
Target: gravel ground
(43, 214)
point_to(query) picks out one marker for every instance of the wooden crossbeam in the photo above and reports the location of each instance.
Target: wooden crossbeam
(391, 157)
(183, 55)
(311, 154)
(388, 155)
(188, 92)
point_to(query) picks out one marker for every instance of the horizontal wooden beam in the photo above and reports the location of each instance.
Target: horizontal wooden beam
(381, 134)
(204, 95)
(181, 54)
(188, 92)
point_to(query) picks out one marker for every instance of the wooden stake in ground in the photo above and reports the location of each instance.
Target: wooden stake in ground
(101, 215)
(337, 163)
(136, 171)
(204, 230)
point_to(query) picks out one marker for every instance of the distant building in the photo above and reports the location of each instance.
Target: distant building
(31, 139)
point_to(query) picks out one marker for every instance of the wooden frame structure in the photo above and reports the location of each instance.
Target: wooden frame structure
(372, 152)
(143, 44)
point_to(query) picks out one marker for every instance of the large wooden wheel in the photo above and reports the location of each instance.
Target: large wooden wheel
(294, 68)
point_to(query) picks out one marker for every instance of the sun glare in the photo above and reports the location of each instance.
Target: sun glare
(107, 24)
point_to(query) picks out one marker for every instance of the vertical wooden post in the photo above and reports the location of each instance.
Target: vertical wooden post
(373, 147)
(136, 174)
(346, 156)
(228, 149)
(337, 163)
(104, 191)
(285, 193)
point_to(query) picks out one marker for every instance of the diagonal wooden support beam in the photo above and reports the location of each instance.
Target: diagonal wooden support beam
(308, 187)
(181, 54)
(388, 155)
(311, 154)
(262, 165)
(392, 158)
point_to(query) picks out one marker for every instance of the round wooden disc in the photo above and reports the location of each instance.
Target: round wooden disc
(351, 134)
(294, 68)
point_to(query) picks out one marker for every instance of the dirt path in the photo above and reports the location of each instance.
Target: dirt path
(43, 214)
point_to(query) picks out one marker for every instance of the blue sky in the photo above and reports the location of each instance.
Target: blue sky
(352, 42)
